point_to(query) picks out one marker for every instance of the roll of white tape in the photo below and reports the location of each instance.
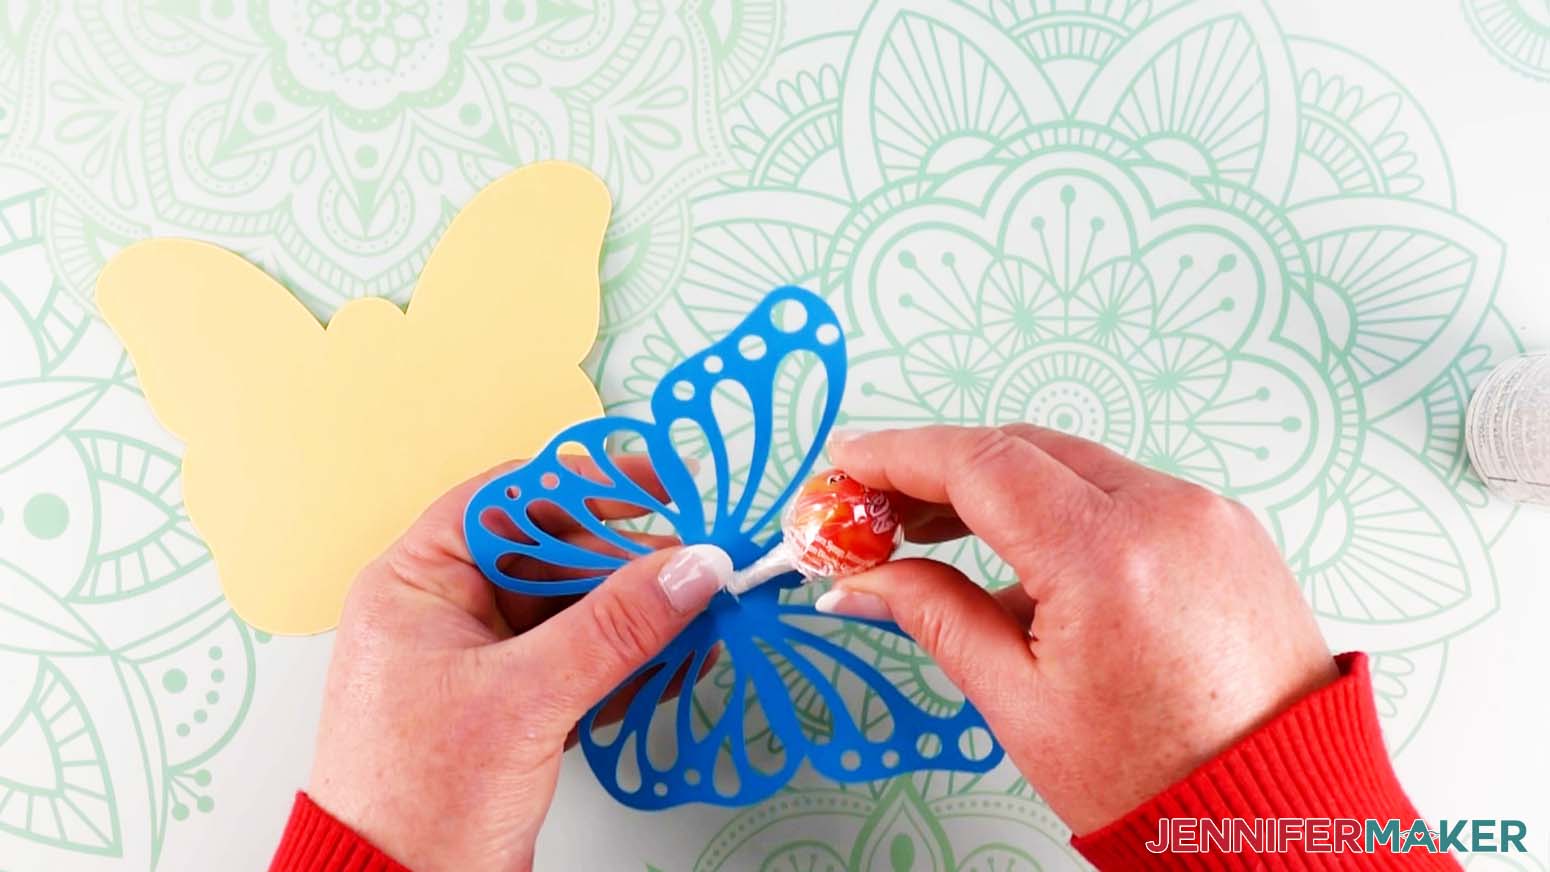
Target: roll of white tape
(1507, 429)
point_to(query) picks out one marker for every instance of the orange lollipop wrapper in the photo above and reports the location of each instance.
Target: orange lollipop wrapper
(833, 527)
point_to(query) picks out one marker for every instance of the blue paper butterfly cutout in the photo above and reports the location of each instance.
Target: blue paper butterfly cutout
(773, 657)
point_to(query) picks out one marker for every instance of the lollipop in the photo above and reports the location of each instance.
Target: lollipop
(835, 526)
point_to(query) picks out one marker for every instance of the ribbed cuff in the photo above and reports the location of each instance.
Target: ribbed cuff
(1322, 758)
(315, 841)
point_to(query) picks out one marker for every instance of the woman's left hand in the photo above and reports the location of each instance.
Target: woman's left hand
(450, 701)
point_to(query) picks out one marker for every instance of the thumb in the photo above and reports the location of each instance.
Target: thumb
(581, 654)
(979, 645)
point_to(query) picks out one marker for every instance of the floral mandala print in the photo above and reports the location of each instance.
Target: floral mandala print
(1517, 32)
(1232, 253)
(123, 670)
(332, 141)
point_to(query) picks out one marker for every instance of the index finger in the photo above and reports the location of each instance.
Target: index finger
(1006, 490)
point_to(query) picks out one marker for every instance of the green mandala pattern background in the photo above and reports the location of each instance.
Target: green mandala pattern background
(1232, 253)
(1516, 31)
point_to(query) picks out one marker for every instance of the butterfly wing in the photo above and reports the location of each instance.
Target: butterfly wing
(719, 404)
(295, 471)
(738, 394)
(220, 348)
(515, 551)
(517, 269)
(698, 746)
(874, 729)
(202, 325)
(730, 406)
(784, 693)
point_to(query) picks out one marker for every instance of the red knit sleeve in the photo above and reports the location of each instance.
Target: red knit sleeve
(315, 841)
(1321, 759)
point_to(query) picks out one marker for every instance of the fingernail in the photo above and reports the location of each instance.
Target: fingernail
(693, 576)
(853, 604)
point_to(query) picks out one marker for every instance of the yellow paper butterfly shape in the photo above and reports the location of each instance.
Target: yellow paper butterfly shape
(310, 449)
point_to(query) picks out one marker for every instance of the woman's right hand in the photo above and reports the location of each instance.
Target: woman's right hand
(1153, 624)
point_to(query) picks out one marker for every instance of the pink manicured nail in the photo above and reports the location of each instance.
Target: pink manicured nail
(693, 576)
(853, 604)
